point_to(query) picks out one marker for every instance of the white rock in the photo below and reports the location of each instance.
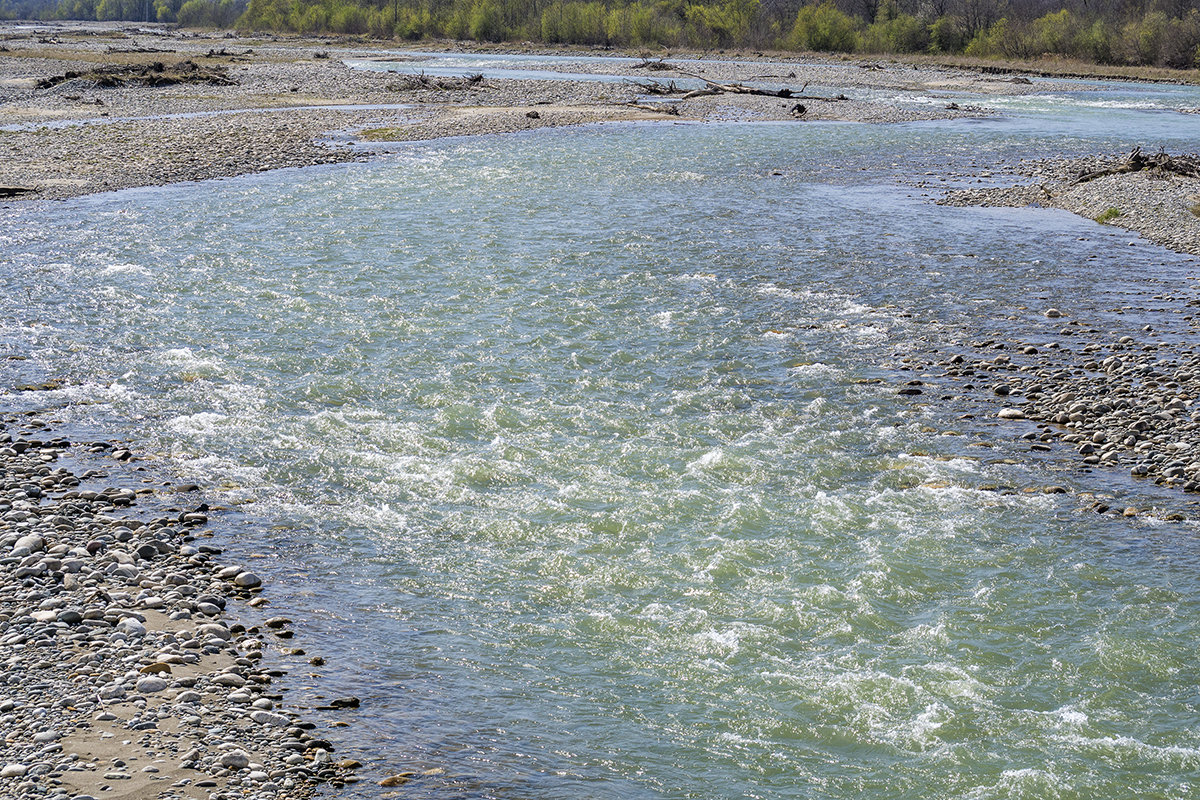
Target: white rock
(151, 684)
(131, 626)
(31, 541)
(247, 580)
(212, 629)
(237, 759)
(13, 771)
(271, 719)
(112, 691)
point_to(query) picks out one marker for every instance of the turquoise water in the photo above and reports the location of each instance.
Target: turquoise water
(579, 456)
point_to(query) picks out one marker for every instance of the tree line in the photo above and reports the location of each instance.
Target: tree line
(1164, 33)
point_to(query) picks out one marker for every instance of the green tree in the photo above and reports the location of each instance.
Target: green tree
(823, 28)
(486, 21)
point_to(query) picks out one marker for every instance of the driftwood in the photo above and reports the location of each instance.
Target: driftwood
(423, 81)
(111, 49)
(656, 88)
(223, 53)
(730, 88)
(653, 65)
(1185, 165)
(713, 87)
(657, 109)
(14, 191)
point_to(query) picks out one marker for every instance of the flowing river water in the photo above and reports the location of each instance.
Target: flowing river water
(578, 454)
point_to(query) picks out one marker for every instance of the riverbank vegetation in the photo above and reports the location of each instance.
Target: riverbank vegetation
(1162, 33)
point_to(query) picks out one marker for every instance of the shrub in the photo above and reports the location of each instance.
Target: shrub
(946, 35)
(1094, 43)
(901, 34)
(1054, 33)
(348, 19)
(823, 27)
(486, 21)
(1004, 38)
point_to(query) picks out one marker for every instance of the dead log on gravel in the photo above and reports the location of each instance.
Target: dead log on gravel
(653, 65)
(657, 88)
(1187, 166)
(421, 81)
(657, 109)
(713, 87)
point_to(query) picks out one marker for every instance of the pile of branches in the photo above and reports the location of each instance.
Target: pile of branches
(1186, 165)
(155, 74)
(652, 65)
(223, 53)
(659, 89)
(656, 108)
(112, 49)
(713, 87)
(421, 81)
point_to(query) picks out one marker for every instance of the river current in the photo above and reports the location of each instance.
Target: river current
(578, 453)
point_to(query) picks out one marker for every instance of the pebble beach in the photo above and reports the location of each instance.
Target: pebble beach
(123, 674)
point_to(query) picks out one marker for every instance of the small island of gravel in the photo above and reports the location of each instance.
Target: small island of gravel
(1157, 196)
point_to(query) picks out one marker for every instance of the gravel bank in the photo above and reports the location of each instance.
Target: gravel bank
(1126, 399)
(122, 674)
(1161, 207)
(78, 137)
(1120, 400)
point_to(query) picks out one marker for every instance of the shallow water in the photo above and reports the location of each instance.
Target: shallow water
(1154, 115)
(564, 447)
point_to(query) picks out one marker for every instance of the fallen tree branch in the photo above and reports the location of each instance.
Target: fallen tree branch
(423, 81)
(1187, 166)
(653, 65)
(657, 109)
(738, 88)
(156, 74)
(656, 88)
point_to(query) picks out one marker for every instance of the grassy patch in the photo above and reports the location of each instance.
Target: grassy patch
(1196, 209)
(1108, 215)
(383, 135)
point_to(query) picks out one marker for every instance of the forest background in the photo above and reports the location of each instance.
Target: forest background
(1160, 33)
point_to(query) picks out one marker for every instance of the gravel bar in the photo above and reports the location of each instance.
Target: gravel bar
(1163, 207)
(293, 102)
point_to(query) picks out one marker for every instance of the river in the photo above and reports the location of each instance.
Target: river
(578, 453)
